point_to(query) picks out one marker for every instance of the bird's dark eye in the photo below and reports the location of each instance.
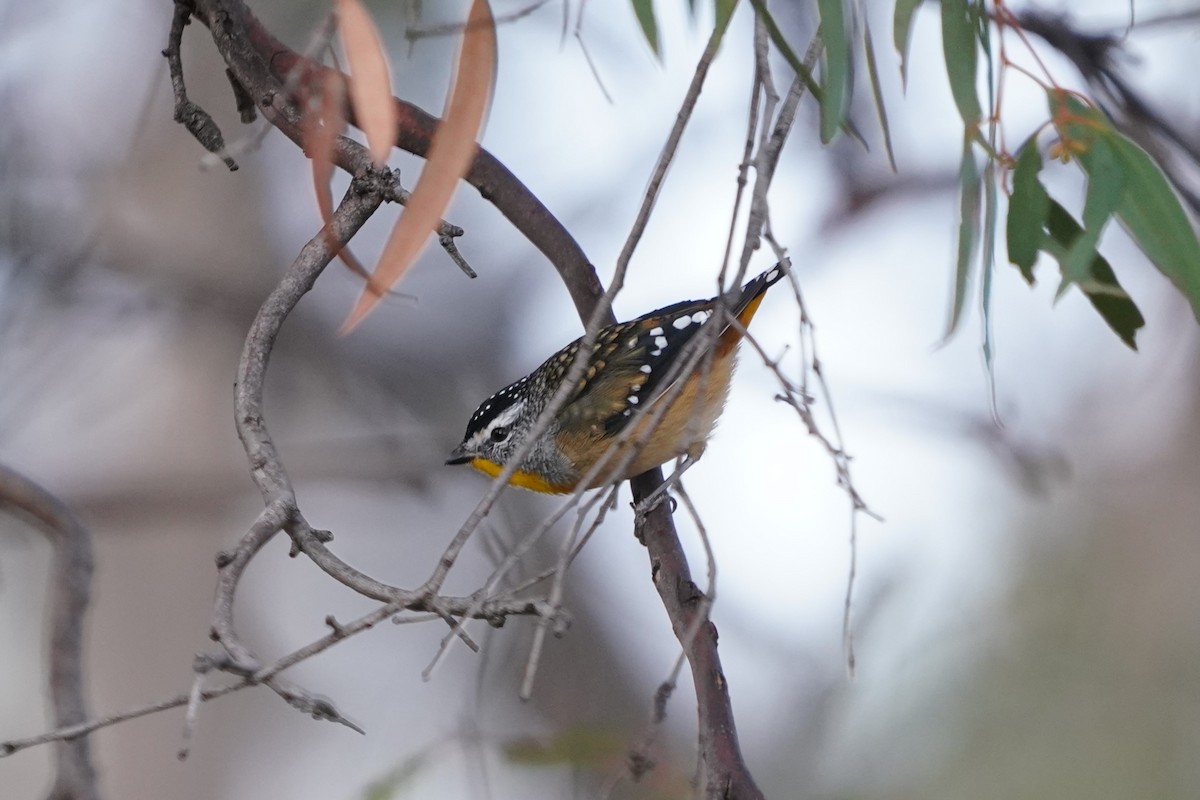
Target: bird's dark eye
(499, 433)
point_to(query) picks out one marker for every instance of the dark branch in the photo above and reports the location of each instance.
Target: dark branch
(198, 121)
(726, 773)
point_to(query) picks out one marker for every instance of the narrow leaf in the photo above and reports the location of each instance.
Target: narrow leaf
(321, 127)
(802, 71)
(644, 11)
(877, 91)
(959, 48)
(989, 269)
(785, 49)
(580, 746)
(836, 102)
(1106, 184)
(1102, 289)
(375, 109)
(450, 155)
(724, 10)
(1149, 208)
(1076, 263)
(968, 233)
(902, 21)
(1027, 210)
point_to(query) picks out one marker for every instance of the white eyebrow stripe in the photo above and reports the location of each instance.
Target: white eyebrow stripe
(507, 416)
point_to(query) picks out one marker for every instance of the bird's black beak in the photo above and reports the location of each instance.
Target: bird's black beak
(457, 456)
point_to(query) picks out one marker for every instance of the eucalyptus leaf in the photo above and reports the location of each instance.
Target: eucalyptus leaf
(644, 11)
(836, 102)
(1148, 207)
(902, 19)
(1027, 210)
(968, 232)
(877, 91)
(724, 10)
(961, 53)
(1101, 287)
(989, 269)
(785, 49)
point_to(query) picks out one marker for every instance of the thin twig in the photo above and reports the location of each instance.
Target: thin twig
(416, 32)
(77, 731)
(638, 760)
(567, 551)
(727, 772)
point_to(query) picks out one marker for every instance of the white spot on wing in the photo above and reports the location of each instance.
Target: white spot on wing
(644, 368)
(700, 316)
(660, 342)
(681, 323)
(656, 332)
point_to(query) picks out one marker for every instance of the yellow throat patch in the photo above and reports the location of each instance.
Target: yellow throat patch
(524, 480)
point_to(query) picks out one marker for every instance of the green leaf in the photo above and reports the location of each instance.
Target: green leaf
(836, 102)
(1148, 207)
(877, 91)
(802, 71)
(959, 47)
(989, 268)
(1106, 184)
(1100, 287)
(724, 10)
(1027, 210)
(578, 746)
(902, 20)
(1076, 263)
(968, 233)
(785, 49)
(644, 11)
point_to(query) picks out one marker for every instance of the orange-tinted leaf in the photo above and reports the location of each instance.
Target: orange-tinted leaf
(370, 79)
(322, 126)
(450, 155)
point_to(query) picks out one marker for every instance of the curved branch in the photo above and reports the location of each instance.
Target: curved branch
(267, 470)
(75, 777)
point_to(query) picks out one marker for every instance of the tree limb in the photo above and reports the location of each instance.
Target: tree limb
(75, 777)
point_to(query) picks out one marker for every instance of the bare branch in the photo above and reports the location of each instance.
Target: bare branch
(75, 777)
(78, 731)
(727, 774)
(198, 121)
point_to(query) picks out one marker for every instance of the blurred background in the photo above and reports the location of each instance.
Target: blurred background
(1026, 616)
